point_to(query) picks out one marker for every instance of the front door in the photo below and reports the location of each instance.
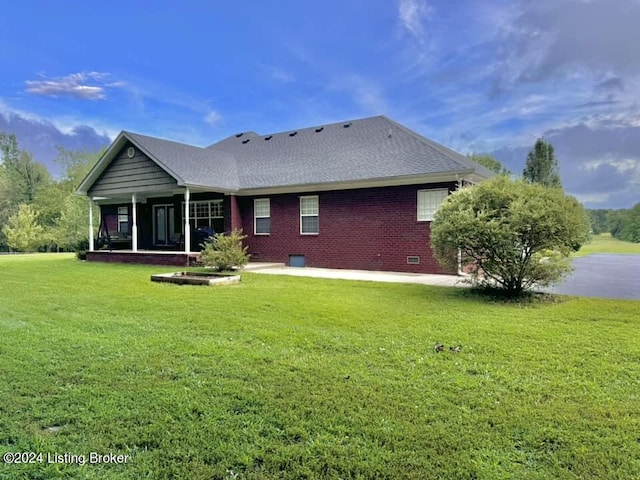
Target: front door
(163, 225)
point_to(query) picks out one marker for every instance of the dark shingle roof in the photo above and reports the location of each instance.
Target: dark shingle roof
(371, 148)
(192, 165)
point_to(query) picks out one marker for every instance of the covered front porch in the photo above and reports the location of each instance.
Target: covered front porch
(165, 228)
(146, 212)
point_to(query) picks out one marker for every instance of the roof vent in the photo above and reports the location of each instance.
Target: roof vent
(293, 134)
(269, 137)
(239, 135)
(246, 140)
(319, 129)
(346, 125)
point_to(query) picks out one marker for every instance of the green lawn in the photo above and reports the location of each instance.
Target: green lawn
(605, 243)
(285, 377)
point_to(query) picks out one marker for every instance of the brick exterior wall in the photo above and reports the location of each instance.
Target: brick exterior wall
(232, 214)
(364, 229)
(170, 259)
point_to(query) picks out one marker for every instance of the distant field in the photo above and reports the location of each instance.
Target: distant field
(292, 378)
(605, 243)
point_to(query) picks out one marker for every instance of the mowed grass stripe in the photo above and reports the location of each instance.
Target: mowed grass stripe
(286, 377)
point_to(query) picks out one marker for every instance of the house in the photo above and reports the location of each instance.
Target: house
(359, 194)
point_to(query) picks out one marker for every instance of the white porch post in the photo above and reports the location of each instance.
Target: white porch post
(187, 228)
(134, 228)
(90, 224)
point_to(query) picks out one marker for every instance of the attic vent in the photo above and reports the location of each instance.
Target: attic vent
(246, 140)
(319, 129)
(293, 134)
(239, 135)
(346, 125)
(269, 137)
(131, 152)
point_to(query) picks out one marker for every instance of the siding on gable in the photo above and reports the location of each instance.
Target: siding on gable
(363, 229)
(132, 175)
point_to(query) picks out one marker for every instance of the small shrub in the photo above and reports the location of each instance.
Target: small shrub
(81, 248)
(225, 252)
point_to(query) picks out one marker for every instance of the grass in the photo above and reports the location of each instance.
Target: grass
(285, 377)
(605, 243)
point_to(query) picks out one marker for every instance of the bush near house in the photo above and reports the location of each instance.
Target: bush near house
(510, 233)
(225, 252)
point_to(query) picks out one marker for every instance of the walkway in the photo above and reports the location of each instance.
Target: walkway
(392, 277)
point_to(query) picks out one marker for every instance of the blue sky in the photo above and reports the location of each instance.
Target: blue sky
(484, 76)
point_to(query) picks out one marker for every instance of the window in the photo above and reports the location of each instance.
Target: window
(206, 213)
(261, 216)
(123, 219)
(429, 201)
(309, 223)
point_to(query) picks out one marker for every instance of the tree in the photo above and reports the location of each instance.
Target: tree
(598, 219)
(23, 231)
(490, 162)
(21, 179)
(71, 228)
(8, 152)
(9, 148)
(26, 177)
(542, 165)
(6, 205)
(510, 234)
(624, 224)
(64, 215)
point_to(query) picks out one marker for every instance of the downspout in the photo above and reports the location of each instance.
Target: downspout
(460, 272)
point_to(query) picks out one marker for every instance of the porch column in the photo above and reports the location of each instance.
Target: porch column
(187, 228)
(134, 227)
(90, 224)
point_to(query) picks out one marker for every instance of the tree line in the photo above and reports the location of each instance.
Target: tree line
(623, 224)
(38, 212)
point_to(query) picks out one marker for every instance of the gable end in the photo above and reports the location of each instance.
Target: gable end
(136, 174)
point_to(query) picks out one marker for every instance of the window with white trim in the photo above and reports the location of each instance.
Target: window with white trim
(429, 201)
(123, 219)
(207, 213)
(309, 219)
(262, 216)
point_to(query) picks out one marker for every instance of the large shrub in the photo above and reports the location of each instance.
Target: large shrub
(225, 252)
(510, 234)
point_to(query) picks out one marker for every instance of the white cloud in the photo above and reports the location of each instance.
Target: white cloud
(279, 74)
(364, 92)
(413, 14)
(213, 118)
(82, 85)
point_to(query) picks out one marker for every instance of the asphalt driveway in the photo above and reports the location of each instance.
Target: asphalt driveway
(603, 275)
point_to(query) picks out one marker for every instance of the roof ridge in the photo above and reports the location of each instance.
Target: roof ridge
(313, 127)
(161, 139)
